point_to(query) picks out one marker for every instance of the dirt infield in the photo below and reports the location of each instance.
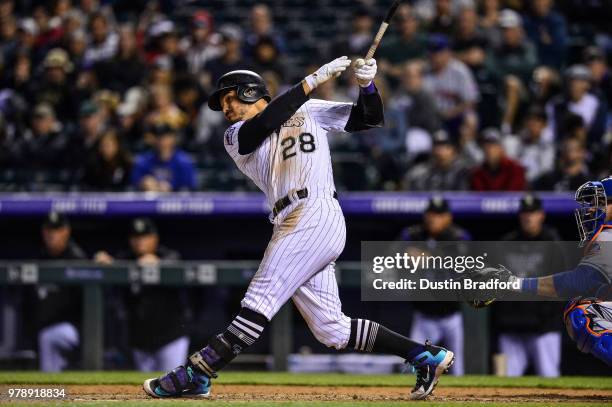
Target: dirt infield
(333, 393)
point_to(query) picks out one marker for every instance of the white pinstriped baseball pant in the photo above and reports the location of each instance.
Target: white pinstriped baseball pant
(299, 264)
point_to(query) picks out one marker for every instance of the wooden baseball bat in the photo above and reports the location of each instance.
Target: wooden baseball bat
(382, 29)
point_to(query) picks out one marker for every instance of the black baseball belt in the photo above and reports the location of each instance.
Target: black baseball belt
(286, 200)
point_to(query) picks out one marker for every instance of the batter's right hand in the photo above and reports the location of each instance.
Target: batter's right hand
(330, 70)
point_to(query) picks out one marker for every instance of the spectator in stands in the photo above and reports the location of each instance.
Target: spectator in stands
(418, 114)
(55, 87)
(595, 59)
(125, 69)
(360, 38)
(167, 45)
(86, 84)
(8, 36)
(571, 171)
(27, 31)
(58, 307)
(267, 58)
(443, 21)
(263, 26)
(514, 61)
(531, 148)
(544, 85)
(445, 171)
(497, 172)
(88, 132)
(43, 146)
(451, 83)
(190, 100)
(19, 78)
(473, 54)
(468, 33)
(73, 22)
(409, 43)
(104, 41)
(203, 44)
(166, 168)
(578, 100)
(129, 113)
(7, 8)
(76, 46)
(164, 108)
(489, 14)
(154, 346)
(529, 333)
(161, 72)
(232, 57)
(49, 35)
(547, 30)
(109, 168)
(441, 321)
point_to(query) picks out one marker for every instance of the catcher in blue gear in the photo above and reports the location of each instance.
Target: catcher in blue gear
(588, 318)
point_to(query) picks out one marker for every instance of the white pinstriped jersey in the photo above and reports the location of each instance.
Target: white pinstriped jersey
(295, 157)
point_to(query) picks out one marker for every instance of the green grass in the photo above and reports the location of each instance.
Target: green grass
(136, 378)
(188, 403)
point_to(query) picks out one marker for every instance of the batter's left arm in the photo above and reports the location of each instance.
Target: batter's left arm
(368, 112)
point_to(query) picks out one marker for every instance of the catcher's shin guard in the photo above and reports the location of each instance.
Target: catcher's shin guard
(589, 324)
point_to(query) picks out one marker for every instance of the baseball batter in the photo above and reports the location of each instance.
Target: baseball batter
(282, 146)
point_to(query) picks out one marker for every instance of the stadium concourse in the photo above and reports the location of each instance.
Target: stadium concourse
(495, 113)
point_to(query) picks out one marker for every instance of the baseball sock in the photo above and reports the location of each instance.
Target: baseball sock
(244, 330)
(369, 336)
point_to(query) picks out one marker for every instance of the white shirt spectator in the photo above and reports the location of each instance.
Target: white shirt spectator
(536, 157)
(586, 108)
(452, 86)
(102, 51)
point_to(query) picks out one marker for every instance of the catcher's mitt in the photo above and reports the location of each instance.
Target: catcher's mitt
(486, 298)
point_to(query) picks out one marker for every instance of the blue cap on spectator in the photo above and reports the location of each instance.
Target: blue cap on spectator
(438, 42)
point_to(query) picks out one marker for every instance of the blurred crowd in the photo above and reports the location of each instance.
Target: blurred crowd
(479, 94)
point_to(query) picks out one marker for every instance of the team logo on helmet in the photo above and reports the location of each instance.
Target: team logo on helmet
(249, 92)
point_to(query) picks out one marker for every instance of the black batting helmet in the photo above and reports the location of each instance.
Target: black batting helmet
(249, 87)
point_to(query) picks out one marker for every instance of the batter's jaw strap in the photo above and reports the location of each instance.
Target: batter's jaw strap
(215, 356)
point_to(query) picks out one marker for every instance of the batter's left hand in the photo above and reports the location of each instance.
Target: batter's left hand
(365, 71)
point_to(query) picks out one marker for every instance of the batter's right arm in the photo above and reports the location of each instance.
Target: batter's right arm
(368, 112)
